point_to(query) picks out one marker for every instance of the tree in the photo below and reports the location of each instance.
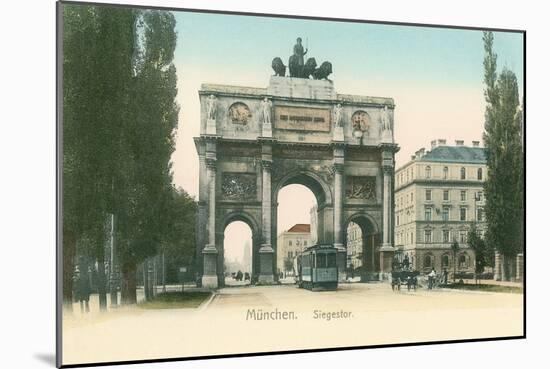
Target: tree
(478, 245)
(288, 264)
(97, 49)
(454, 248)
(504, 186)
(148, 190)
(119, 125)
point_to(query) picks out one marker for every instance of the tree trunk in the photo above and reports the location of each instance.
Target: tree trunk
(102, 291)
(163, 274)
(146, 279)
(128, 287)
(68, 253)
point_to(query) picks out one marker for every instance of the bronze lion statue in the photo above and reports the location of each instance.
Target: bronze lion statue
(309, 68)
(323, 71)
(278, 67)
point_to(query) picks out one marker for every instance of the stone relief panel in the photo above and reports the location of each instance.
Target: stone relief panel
(302, 118)
(361, 187)
(239, 186)
(239, 113)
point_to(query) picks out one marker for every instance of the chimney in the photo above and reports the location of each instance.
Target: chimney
(413, 157)
(434, 143)
(459, 142)
(421, 152)
(441, 142)
(475, 143)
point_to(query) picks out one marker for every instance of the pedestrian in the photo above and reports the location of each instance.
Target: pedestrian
(445, 276)
(431, 279)
(82, 290)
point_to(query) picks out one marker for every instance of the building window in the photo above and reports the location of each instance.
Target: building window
(428, 195)
(428, 236)
(463, 195)
(446, 213)
(305, 243)
(397, 220)
(427, 261)
(462, 262)
(411, 197)
(289, 254)
(428, 213)
(445, 195)
(428, 172)
(480, 214)
(445, 172)
(445, 261)
(462, 173)
(445, 235)
(479, 174)
(463, 237)
(289, 243)
(463, 214)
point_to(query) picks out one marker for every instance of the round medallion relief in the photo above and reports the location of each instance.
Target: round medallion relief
(360, 121)
(239, 113)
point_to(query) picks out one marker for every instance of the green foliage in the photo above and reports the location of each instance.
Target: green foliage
(504, 186)
(97, 44)
(288, 264)
(176, 300)
(120, 117)
(482, 252)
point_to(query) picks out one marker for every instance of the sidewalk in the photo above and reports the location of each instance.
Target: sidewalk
(493, 282)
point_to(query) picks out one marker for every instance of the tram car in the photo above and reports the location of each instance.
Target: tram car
(317, 270)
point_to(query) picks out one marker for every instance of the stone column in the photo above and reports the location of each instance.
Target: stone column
(266, 250)
(210, 253)
(338, 202)
(498, 267)
(386, 250)
(519, 267)
(338, 183)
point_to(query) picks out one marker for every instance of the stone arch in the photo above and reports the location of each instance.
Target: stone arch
(321, 190)
(243, 216)
(370, 232)
(256, 232)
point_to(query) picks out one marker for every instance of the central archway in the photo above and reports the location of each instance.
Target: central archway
(323, 196)
(297, 227)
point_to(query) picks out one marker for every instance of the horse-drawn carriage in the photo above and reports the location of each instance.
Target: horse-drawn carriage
(404, 277)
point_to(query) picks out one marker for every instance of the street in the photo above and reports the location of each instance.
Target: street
(279, 318)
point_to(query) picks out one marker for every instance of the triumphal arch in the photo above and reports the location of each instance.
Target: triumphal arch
(254, 141)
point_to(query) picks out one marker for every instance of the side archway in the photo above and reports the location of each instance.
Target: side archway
(361, 239)
(255, 229)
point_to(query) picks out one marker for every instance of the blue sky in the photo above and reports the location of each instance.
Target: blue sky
(356, 50)
(434, 75)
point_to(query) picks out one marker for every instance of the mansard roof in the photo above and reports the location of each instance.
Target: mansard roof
(456, 154)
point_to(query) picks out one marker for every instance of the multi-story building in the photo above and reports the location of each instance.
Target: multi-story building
(354, 246)
(290, 243)
(438, 195)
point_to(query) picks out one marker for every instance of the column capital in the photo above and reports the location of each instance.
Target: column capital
(267, 164)
(387, 169)
(338, 168)
(211, 163)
